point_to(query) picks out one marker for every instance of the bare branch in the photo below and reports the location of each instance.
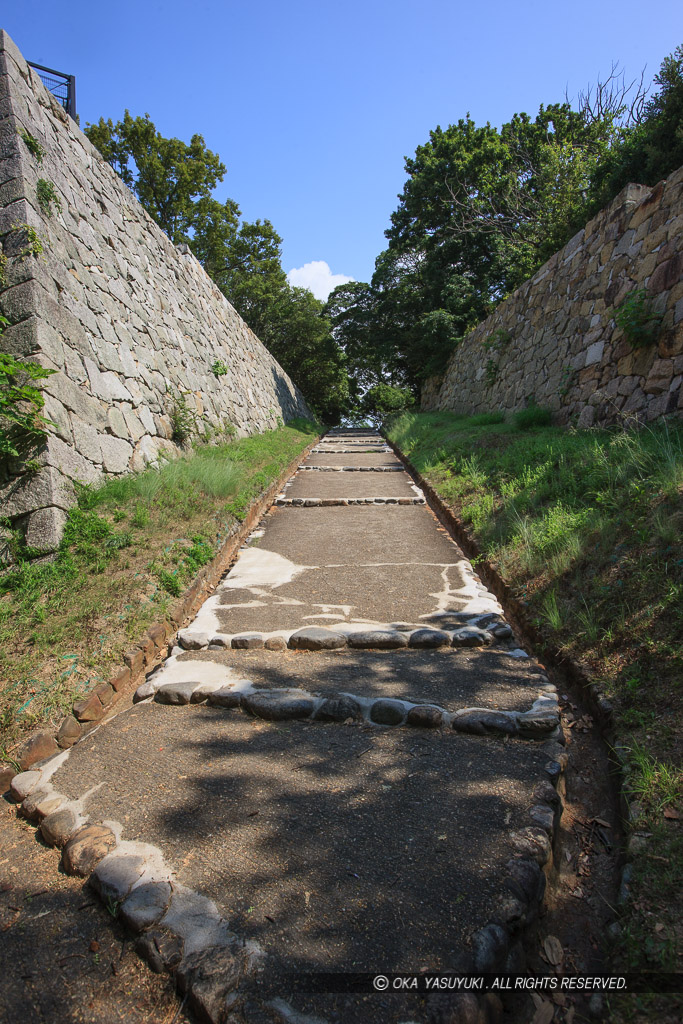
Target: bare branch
(510, 216)
(613, 98)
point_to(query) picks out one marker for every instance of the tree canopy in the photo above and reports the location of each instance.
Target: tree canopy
(174, 182)
(483, 207)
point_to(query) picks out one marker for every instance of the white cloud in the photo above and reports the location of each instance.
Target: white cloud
(317, 277)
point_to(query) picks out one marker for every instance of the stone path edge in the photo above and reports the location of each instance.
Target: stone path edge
(575, 672)
(495, 947)
(210, 963)
(152, 647)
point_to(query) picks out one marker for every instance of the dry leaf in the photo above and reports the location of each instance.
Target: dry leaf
(544, 1014)
(601, 821)
(578, 892)
(559, 998)
(569, 1016)
(553, 950)
(671, 813)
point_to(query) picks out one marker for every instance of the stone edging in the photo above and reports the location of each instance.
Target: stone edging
(329, 502)
(578, 673)
(152, 646)
(182, 932)
(280, 704)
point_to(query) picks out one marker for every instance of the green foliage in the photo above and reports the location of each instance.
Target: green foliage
(33, 242)
(567, 379)
(651, 148)
(32, 144)
(183, 419)
(638, 319)
(491, 371)
(174, 183)
(481, 209)
(46, 194)
(384, 400)
(486, 419)
(116, 567)
(218, 368)
(532, 417)
(499, 339)
(22, 427)
(168, 176)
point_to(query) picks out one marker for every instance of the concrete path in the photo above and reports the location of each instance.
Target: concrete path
(346, 765)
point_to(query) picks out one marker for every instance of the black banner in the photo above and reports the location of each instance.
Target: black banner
(432, 982)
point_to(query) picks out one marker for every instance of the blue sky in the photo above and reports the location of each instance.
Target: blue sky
(313, 106)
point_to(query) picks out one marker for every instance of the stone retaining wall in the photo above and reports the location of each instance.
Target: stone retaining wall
(129, 321)
(554, 341)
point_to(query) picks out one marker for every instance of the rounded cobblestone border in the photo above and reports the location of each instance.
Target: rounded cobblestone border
(577, 673)
(329, 502)
(150, 649)
(498, 947)
(182, 932)
(283, 703)
(178, 930)
(352, 451)
(455, 629)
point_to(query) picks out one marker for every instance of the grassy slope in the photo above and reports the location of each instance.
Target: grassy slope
(587, 527)
(129, 547)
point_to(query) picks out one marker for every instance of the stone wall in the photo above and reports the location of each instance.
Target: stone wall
(128, 320)
(555, 341)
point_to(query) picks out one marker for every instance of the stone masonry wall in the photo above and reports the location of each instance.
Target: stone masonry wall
(125, 317)
(559, 344)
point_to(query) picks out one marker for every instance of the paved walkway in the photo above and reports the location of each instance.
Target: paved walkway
(343, 766)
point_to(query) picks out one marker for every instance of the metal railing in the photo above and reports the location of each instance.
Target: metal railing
(62, 87)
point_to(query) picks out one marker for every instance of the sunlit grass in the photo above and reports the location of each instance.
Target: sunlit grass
(129, 547)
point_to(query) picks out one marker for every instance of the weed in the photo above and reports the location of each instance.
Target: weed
(170, 582)
(638, 319)
(567, 379)
(486, 419)
(22, 426)
(183, 419)
(656, 784)
(218, 368)
(32, 144)
(46, 194)
(491, 371)
(500, 338)
(550, 611)
(140, 515)
(531, 417)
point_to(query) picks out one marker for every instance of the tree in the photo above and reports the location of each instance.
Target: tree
(480, 210)
(384, 400)
(649, 147)
(174, 182)
(168, 176)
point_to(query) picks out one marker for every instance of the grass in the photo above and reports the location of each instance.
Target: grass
(587, 528)
(129, 547)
